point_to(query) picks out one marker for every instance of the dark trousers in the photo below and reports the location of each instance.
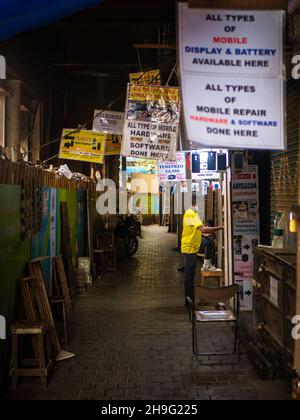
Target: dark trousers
(210, 248)
(190, 263)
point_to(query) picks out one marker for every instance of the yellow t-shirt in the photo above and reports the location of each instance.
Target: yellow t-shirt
(191, 235)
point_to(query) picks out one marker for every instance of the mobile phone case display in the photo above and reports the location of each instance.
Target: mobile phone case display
(208, 164)
(246, 230)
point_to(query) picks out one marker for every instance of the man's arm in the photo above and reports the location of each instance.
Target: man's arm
(210, 230)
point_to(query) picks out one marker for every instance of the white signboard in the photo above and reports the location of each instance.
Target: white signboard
(232, 77)
(152, 122)
(2, 102)
(246, 229)
(173, 170)
(108, 122)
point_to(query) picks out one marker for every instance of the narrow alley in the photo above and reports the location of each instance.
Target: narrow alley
(132, 339)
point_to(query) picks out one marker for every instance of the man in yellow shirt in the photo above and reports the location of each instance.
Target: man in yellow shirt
(193, 228)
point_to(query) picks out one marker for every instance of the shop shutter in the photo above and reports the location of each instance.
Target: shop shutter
(284, 165)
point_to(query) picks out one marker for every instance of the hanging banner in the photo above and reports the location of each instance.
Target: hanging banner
(200, 171)
(172, 171)
(152, 121)
(151, 77)
(232, 71)
(113, 144)
(85, 145)
(246, 229)
(108, 122)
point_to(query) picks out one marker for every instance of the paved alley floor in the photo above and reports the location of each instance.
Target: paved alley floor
(132, 340)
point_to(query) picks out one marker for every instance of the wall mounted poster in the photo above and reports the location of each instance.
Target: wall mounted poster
(232, 77)
(246, 229)
(151, 122)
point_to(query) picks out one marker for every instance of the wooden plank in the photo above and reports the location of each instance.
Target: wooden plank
(240, 4)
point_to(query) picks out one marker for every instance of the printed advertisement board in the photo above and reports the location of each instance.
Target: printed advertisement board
(85, 145)
(113, 144)
(152, 121)
(173, 170)
(246, 229)
(232, 77)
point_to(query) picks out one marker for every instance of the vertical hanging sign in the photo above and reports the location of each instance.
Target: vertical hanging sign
(246, 229)
(232, 77)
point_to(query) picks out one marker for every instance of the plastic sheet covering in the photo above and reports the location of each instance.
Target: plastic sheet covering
(19, 15)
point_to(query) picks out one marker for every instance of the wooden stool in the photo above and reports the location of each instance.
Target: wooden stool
(216, 274)
(38, 330)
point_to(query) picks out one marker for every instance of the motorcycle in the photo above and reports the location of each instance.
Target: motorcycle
(127, 230)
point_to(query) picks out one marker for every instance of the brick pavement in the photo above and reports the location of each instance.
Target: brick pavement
(132, 340)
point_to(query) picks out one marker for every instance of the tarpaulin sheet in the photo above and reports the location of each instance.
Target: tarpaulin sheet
(18, 16)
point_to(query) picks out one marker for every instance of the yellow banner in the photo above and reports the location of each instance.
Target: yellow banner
(85, 145)
(151, 77)
(113, 144)
(153, 93)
